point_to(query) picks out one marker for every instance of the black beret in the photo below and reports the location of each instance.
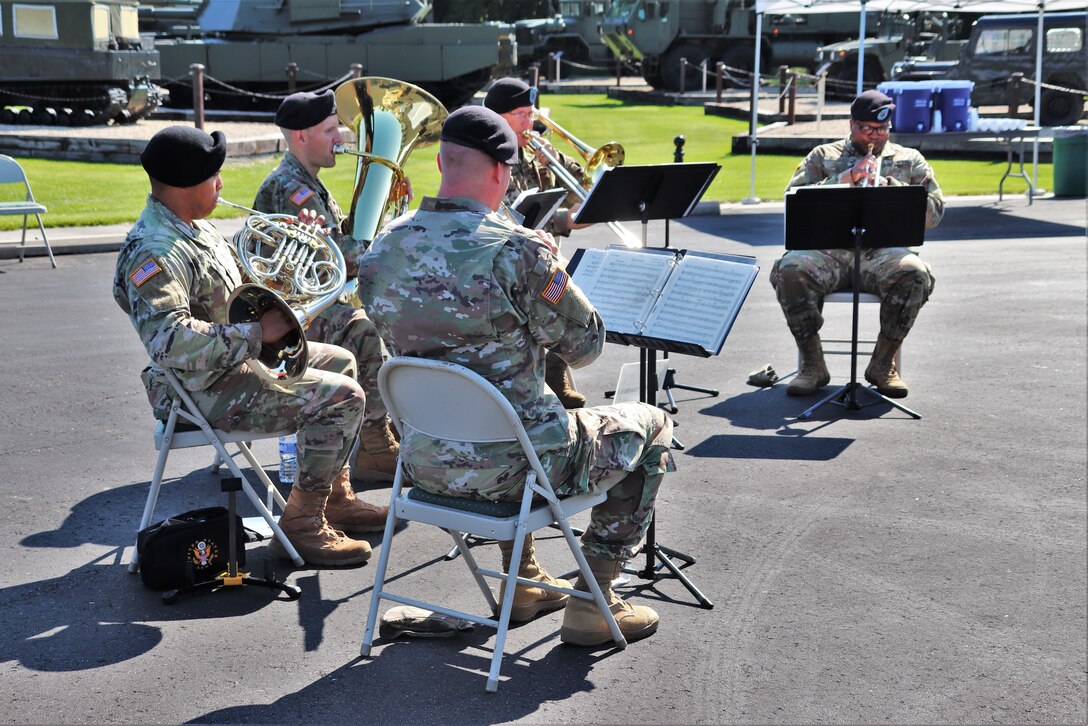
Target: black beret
(305, 109)
(183, 156)
(507, 94)
(872, 106)
(484, 130)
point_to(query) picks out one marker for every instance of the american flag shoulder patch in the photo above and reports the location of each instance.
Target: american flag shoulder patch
(301, 196)
(147, 270)
(553, 291)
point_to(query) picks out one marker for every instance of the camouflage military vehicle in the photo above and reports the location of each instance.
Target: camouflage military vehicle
(74, 62)
(932, 36)
(573, 30)
(1001, 45)
(661, 32)
(246, 46)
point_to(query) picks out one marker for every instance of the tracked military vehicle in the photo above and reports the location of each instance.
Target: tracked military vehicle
(246, 46)
(659, 33)
(573, 30)
(75, 62)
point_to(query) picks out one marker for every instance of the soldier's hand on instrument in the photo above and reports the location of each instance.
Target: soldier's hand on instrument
(548, 239)
(570, 218)
(311, 217)
(274, 325)
(403, 188)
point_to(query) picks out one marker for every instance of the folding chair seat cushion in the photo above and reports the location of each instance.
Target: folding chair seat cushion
(499, 510)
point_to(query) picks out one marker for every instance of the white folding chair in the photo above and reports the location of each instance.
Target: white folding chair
(168, 438)
(450, 402)
(12, 173)
(841, 346)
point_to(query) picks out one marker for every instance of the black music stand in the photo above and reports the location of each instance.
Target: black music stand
(855, 218)
(658, 191)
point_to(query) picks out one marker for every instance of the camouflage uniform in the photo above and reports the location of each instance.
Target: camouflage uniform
(451, 281)
(173, 281)
(289, 189)
(532, 171)
(902, 279)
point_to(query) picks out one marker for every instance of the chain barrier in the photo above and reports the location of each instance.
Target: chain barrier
(585, 66)
(235, 91)
(1051, 87)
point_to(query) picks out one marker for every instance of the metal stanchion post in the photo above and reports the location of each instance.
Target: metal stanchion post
(683, 75)
(719, 69)
(198, 95)
(1014, 93)
(793, 99)
(356, 70)
(292, 76)
(783, 71)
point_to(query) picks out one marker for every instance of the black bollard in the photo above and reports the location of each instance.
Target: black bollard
(678, 155)
(198, 94)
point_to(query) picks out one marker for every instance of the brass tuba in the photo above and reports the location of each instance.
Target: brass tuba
(597, 161)
(294, 267)
(390, 119)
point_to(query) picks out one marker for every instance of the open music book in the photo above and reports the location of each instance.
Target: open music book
(675, 300)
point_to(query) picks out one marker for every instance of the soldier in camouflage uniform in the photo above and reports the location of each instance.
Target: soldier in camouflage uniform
(309, 124)
(528, 303)
(898, 275)
(174, 276)
(514, 100)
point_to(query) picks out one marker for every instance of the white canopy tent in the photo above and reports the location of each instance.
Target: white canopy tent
(861, 7)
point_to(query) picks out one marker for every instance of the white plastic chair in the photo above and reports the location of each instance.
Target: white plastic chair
(12, 173)
(168, 438)
(841, 346)
(450, 402)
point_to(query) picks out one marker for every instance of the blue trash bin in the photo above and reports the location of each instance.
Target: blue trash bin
(913, 105)
(953, 100)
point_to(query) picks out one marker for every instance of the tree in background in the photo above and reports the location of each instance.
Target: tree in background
(478, 11)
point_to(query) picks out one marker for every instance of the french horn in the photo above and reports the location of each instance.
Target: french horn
(291, 266)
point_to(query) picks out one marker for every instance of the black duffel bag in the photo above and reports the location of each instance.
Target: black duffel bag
(189, 548)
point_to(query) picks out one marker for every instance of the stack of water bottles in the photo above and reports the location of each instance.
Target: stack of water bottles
(288, 458)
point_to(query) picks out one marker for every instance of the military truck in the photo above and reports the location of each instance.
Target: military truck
(1001, 45)
(932, 36)
(658, 33)
(246, 46)
(573, 30)
(75, 62)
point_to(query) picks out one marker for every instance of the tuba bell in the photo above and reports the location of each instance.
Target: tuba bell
(294, 267)
(390, 119)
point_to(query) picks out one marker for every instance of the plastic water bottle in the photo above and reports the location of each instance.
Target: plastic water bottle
(972, 120)
(288, 459)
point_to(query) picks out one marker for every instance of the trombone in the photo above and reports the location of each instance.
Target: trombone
(598, 161)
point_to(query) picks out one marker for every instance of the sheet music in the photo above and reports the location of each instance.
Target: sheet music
(624, 284)
(701, 300)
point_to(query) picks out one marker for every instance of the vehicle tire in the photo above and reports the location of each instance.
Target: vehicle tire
(671, 70)
(1060, 109)
(741, 58)
(845, 75)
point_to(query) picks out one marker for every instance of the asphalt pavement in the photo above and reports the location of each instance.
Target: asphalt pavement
(864, 566)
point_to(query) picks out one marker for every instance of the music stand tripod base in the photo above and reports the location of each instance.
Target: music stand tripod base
(231, 577)
(846, 397)
(664, 557)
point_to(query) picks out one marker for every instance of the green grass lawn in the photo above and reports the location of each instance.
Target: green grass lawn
(84, 193)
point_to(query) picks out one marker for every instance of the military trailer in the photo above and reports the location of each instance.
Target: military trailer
(1001, 45)
(659, 33)
(246, 47)
(75, 62)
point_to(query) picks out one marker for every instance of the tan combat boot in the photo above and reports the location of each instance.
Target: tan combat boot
(881, 370)
(346, 512)
(303, 521)
(531, 601)
(813, 374)
(376, 461)
(557, 376)
(583, 623)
